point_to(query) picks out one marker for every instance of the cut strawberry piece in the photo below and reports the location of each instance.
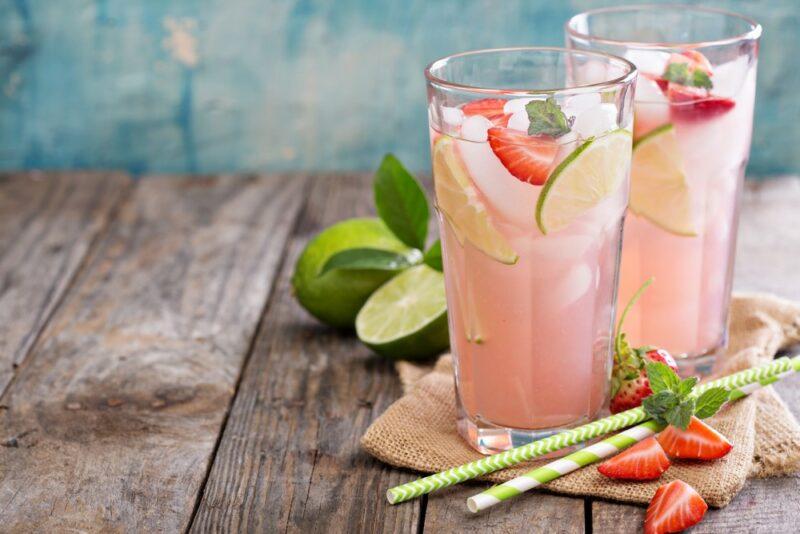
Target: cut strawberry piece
(527, 157)
(691, 103)
(698, 442)
(661, 82)
(644, 461)
(491, 108)
(675, 507)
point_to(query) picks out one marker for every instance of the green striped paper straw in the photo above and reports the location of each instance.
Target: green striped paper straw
(564, 439)
(611, 446)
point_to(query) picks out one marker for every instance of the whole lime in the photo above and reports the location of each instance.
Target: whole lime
(335, 297)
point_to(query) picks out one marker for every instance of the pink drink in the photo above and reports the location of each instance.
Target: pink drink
(703, 90)
(531, 340)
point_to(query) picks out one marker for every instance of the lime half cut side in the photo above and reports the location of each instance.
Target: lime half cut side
(592, 172)
(407, 316)
(458, 199)
(659, 190)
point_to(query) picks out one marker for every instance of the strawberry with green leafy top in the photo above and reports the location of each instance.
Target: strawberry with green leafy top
(629, 382)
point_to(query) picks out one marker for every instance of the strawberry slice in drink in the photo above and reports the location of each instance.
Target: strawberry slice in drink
(675, 507)
(644, 461)
(691, 103)
(491, 108)
(698, 442)
(527, 157)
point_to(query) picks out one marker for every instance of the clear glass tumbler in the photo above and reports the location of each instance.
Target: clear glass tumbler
(693, 121)
(531, 156)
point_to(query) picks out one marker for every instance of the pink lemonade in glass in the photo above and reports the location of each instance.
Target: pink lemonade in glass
(693, 120)
(531, 185)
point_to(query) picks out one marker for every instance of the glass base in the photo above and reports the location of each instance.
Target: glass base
(487, 438)
(702, 365)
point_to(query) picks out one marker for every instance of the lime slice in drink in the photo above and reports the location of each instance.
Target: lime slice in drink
(407, 316)
(659, 191)
(592, 172)
(458, 199)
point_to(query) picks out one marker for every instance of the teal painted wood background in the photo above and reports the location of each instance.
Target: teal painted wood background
(236, 85)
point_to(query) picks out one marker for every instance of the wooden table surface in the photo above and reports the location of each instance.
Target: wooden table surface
(156, 374)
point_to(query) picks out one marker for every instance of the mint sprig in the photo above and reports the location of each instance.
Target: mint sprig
(546, 118)
(681, 74)
(674, 401)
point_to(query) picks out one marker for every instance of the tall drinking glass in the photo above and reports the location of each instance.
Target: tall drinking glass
(531, 155)
(693, 120)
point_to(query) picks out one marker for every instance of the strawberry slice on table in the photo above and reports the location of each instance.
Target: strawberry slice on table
(527, 157)
(491, 108)
(675, 507)
(698, 442)
(644, 461)
(630, 376)
(690, 103)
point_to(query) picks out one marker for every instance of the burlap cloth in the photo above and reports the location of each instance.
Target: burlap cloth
(418, 431)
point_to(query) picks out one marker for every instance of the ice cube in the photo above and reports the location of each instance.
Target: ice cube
(596, 120)
(519, 121)
(452, 116)
(647, 90)
(475, 127)
(514, 200)
(575, 105)
(572, 286)
(728, 77)
(561, 248)
(649, 61)
(517, 104)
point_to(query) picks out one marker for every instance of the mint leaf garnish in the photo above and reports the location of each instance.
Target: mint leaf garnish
(680, 415)
(401, 202)
(681, 74)
(662, 378)
(370, 259)
(686, 386)
(701, 79)
(546, 118)
(433, 256)
(710, 402)
(658, 404)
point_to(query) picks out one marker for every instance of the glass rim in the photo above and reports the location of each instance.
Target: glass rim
(628, 77)
(752, 34)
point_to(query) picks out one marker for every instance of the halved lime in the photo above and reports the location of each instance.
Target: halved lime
(458, 199)
(407, 316)
(592, 172)
(659, 191)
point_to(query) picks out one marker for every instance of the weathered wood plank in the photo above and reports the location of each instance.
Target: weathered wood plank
(47, 224)
(116, 415)
(289, 459)
(768, 259)
(535, 512)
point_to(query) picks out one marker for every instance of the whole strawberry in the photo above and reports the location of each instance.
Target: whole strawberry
(629, 383)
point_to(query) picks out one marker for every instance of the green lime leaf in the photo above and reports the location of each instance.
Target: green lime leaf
(681, 414)
(433, 256)
(686, 386)
(370, 258)
(658, 404)
(401, 202)
(547, 118)
(662, 378)
(710, 402)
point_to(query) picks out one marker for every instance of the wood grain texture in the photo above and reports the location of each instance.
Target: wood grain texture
(289, 459)
(115, 416)
(534, 512)
(768, 259)
(47, 225)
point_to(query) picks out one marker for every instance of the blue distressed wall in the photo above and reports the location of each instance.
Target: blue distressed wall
(231, 85)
